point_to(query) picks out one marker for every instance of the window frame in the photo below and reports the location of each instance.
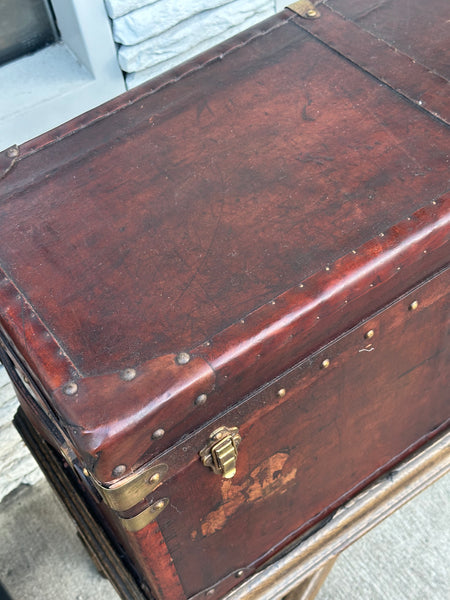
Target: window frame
(86, 59)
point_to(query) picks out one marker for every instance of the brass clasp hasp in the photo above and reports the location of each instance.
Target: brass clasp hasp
(220, 454)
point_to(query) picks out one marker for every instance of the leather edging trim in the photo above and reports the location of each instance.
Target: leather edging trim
(412, 80)
(154, 85)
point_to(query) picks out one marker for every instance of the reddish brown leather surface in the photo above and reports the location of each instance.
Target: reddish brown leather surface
(251, 352)
(403, 67)
(250, 208)
(175, 217)
(419, 29)
(195, 202)
(304, 453)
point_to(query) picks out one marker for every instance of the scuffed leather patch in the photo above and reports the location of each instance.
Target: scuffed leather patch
(265, 480)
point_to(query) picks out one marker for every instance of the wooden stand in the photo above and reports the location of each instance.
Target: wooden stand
(305, 567)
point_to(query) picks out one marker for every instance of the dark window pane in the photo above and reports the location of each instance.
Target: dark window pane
(25, 26)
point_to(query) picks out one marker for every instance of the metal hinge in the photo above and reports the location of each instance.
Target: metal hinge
(220, 454)
(145, 517)
(305, 9)
(130, 491)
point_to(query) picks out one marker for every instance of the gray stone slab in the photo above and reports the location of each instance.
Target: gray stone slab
(406, 557)
(41, 557)
(17, 464)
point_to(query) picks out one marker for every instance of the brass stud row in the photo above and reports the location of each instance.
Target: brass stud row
(71, 388)
(183, 358)
(119, 470)
(128, 374)
(201, 400)
(158, 434)
(12, 152)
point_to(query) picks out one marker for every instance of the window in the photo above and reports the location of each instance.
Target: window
(25, 26)
(75, 72)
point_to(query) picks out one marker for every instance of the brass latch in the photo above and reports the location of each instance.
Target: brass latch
(220, 453)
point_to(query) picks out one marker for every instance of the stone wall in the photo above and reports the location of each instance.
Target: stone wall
(154, 36)
(16, 463)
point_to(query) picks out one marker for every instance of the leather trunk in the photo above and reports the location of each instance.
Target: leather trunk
(224, 294)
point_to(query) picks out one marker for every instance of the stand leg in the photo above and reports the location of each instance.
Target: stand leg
(309, 587)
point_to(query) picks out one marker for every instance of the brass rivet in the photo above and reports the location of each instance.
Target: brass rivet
(71, 389)
(327, 268)
(158, 434)
(273, 302)
(281, 393)
(158, 505)
(200, 400)
(425, 251)
(325, 363)
(183, 358)
(128, 374)
(369, 334)
(381, 234)
(119, 470)
(12, 152)
(301, 285)
(242, 321)
(353, 251)
(155, 478)
(85, 472)
(239, 573)
(414, 304)
(433, 202)
(311, 12)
